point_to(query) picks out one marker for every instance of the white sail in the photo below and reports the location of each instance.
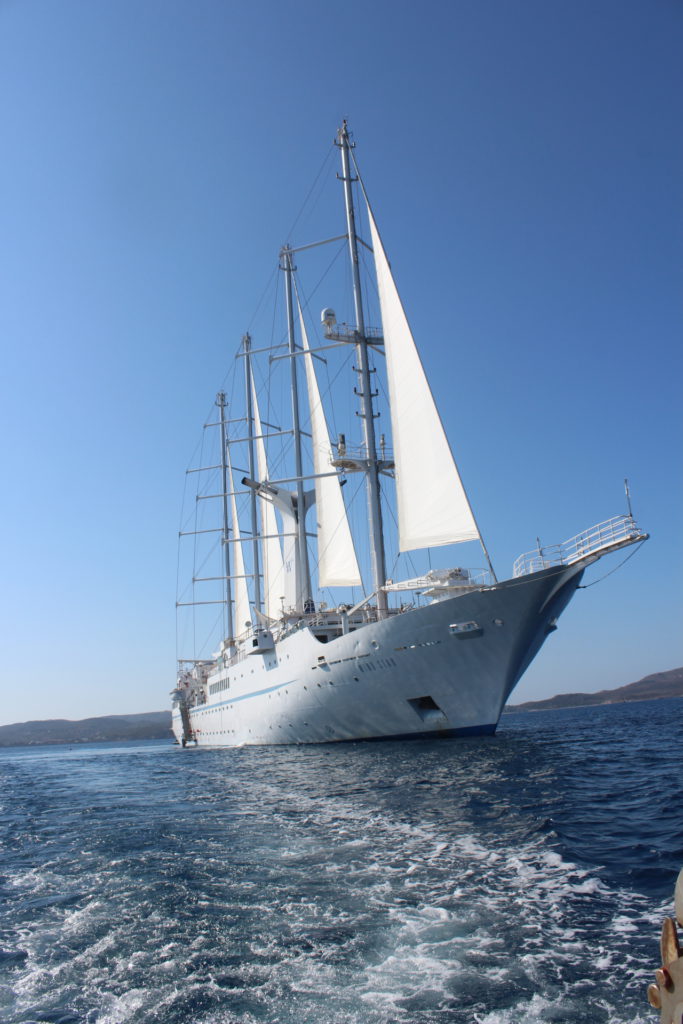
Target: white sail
(273, 569)
(242, 613)
(337, 562)
(432, 505)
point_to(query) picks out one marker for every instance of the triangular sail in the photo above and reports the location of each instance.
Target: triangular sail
(337, 562)
(273, 569)
(432, 505)
(242, 611)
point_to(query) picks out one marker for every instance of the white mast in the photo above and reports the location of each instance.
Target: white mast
(304, 600)
(371, 467)
(249, 390)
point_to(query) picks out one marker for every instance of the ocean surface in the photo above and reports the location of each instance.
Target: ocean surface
(517, 878)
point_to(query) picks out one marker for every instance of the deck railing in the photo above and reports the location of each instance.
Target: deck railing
(357, 453)
(613, 533)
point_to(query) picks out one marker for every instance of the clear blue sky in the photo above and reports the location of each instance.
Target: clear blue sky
(525, 161)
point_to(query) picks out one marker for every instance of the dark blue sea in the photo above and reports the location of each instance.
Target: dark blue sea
(517, 878)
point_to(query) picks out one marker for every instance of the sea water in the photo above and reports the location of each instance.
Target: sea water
(516, 878)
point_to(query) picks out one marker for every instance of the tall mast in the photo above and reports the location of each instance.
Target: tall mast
(379, 574)
(246, 342)
(304, 577)
(220, 402)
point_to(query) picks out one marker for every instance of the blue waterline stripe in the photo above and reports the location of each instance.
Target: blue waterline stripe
(246, 696)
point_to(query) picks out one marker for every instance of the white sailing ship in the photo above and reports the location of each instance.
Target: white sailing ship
(435, 654)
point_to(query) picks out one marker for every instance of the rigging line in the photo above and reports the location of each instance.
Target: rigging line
(232, 427)
(212, 630)
(344, 363)
(275, 302)
(210, 554)
(400, 554)
(185, 520)
(339, 526)
(269, 386)
(523, 581)
(324, 274)
(342, 367)
(349, 506)
(238, 349)
(195, 541)
(287, 445)
(263, 298)
(307, 302)
(351, 502)
(177, 569)
(193, 457)
(328, 156)
(367, 278)
(269, 378)
(265, 385)
(587, 586)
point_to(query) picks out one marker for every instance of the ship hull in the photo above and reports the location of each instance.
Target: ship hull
(445, 669)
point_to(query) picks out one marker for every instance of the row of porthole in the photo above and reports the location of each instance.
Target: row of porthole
(372, 666)
(421, 643)
(323, 663)
(368, 667)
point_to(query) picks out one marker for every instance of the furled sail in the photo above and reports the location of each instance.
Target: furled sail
(337, 562)
(432, 505)
(241, 593)
(273, 568)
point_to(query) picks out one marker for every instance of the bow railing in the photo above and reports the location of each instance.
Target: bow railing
(614, 533)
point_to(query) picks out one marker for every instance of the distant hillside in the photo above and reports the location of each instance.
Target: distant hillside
(155, 725)
(654, 687)
(149, 726)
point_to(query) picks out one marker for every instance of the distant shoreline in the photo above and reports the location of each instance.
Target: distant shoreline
(513, 709)
(151, 725)
(659, 686)
(155, 725)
